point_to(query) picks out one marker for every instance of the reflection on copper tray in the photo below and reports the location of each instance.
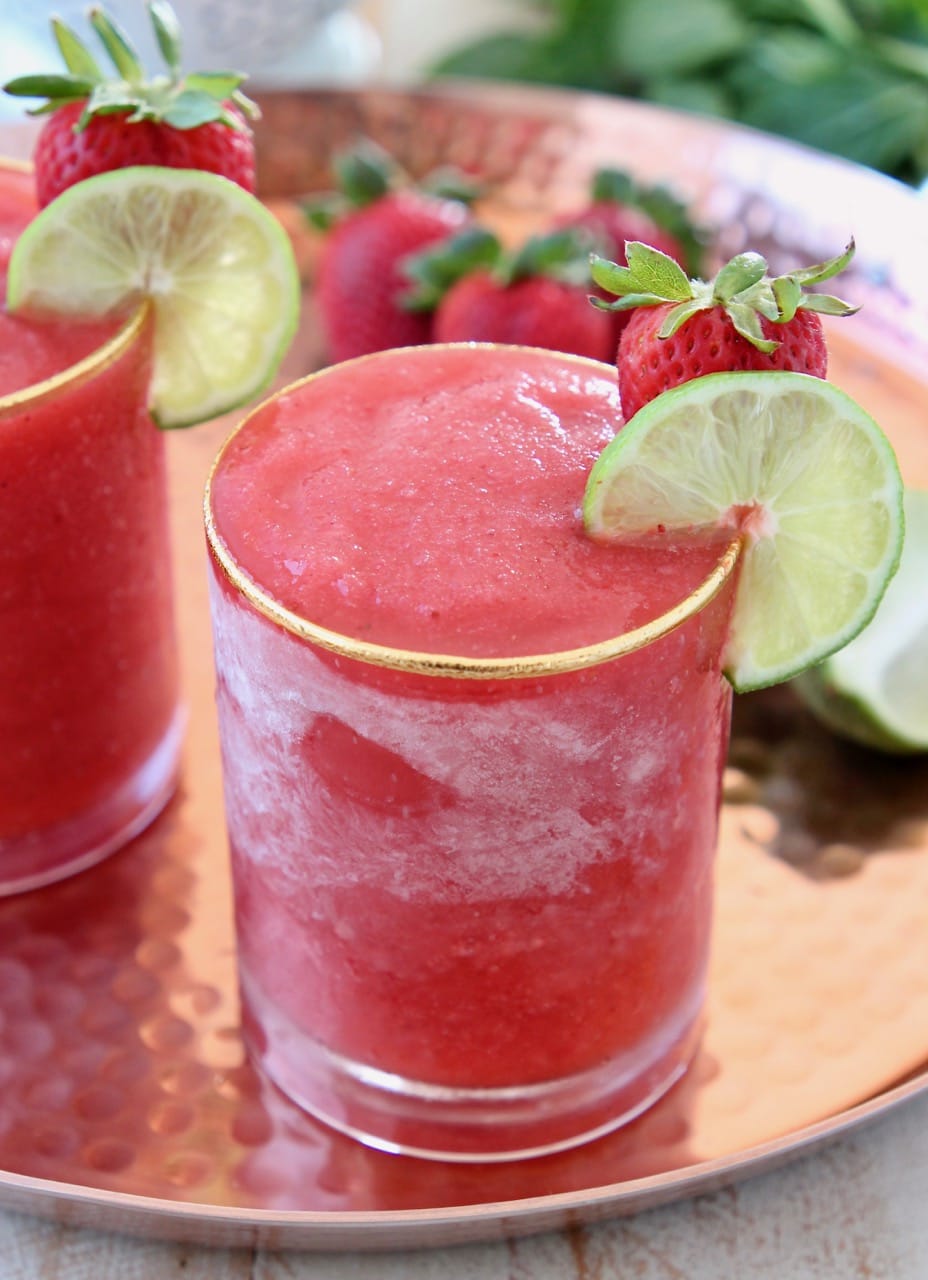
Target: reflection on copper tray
(126, 1100)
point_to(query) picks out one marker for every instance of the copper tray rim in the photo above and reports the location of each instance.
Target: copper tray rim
(550, 102)
(217, 1224)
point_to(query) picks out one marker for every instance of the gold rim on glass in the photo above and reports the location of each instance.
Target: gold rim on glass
(95, 363)
(445, 664)
(14, 165)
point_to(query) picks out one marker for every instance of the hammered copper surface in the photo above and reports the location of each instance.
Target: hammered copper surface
(125, 1098)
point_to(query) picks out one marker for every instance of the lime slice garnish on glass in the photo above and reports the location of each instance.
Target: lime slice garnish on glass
(875, 689)
(797, 467)
(215, 264)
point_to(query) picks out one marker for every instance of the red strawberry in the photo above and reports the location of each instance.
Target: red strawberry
(65, 154)
(741, 319)
(534, 312)
(195, 121)
(620, 210)
(372, 226)
(536, 297)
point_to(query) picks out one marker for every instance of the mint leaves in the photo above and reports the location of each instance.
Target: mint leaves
(845, 76)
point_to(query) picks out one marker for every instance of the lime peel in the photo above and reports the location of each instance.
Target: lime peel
(801, 470)
(216, 266)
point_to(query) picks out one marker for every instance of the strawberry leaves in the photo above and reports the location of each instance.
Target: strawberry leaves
(78, 59)
(365, 172)
(559, 255)
(117, 45)
(183, 102)
(742, 289)
(168, 35)
(433, 271)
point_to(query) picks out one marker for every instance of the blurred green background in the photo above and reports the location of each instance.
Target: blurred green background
(845, 76)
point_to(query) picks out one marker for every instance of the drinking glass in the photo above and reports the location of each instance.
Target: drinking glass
(90, 726)
(17, 206)
(473, 895)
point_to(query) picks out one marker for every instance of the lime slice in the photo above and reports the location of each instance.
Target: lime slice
(875, 689)
(797, 467)
(216, 265)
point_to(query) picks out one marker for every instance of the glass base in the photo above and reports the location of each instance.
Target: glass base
(42, 857)
(437, 1122)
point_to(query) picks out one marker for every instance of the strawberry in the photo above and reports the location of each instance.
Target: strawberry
(373, 222)
(741, 319)
(97, 123)
(535, 297)
(620, 210)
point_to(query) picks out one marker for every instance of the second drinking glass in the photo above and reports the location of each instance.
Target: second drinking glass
(89, 718)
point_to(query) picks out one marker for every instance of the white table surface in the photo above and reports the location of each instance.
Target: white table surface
(857, 1209)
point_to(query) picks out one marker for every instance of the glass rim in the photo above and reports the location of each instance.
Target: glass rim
(98, 360)
(13, 164)
(455, 666)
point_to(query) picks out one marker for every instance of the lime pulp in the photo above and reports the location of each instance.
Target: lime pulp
(213, 263)
(800, 470)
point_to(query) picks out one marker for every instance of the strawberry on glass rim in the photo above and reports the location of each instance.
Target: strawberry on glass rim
(733, 428)
(98, 121)
(741, 319)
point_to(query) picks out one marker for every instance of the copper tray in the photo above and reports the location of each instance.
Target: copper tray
(125, 1098)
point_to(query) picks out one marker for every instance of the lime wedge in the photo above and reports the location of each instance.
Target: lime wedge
(797, 467)
(217, 268)
(875, 689)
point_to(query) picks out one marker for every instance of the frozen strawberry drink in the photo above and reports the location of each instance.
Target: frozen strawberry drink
(17, 206)
(473, 884)
(141, 283)
(88, 684)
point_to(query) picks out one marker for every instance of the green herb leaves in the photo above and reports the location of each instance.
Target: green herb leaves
(845, 76)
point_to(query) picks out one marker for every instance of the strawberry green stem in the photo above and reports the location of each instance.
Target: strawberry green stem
(742, 288)
(182, 101)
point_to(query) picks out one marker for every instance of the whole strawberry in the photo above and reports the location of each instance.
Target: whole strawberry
(535, 297)
(741, 319)
(376, 220)
(97, 122)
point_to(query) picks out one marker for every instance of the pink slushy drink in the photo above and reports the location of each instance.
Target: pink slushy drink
(17, 206)
(473, 900)
(89, 723)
